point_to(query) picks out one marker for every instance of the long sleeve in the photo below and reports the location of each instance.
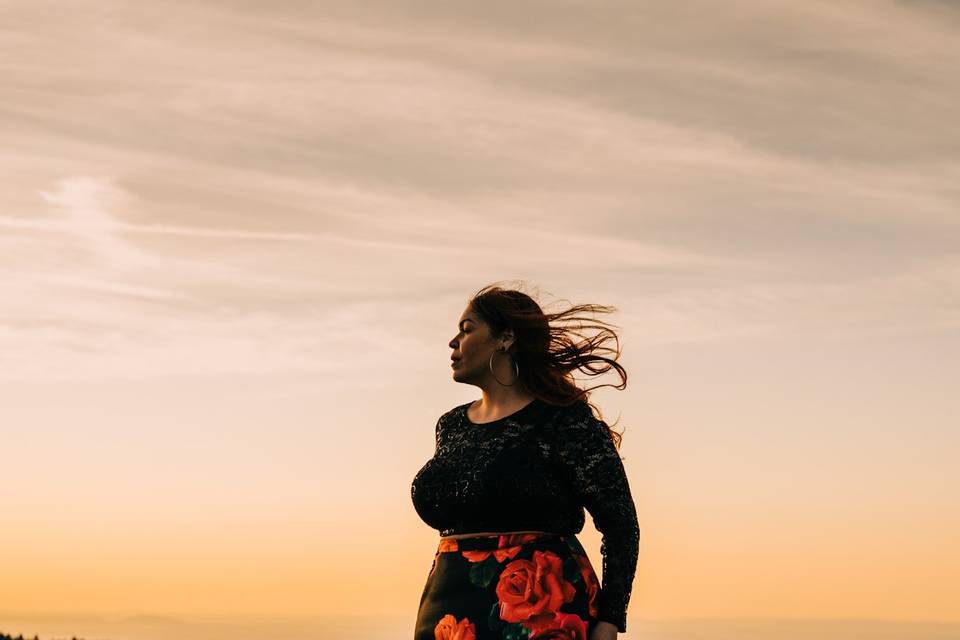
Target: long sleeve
(593, 465)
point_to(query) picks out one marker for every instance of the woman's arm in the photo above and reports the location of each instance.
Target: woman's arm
(596, 472)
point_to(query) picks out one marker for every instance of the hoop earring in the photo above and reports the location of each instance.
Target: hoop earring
(515, 366)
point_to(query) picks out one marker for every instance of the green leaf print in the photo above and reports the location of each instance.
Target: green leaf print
(483, 573)
(494, 621)
(515, 631)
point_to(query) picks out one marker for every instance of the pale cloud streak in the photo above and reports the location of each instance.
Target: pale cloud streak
(778, 167)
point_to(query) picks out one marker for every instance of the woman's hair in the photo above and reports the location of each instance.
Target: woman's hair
(548, 347)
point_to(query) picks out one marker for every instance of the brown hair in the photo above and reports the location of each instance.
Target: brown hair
(548, 347)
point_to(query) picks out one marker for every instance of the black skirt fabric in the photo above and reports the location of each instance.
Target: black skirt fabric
(539, 586)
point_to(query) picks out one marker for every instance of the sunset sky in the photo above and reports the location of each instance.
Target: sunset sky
(236, 238)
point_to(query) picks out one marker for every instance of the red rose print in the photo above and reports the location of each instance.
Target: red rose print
(509, 547)
(499, 554)
(532, 589)
(448, 544)
(449, 629)
(564, 626)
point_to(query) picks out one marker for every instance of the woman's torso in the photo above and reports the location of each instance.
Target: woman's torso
(496, 478)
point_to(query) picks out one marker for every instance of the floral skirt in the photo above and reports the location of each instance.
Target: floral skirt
(531, 585)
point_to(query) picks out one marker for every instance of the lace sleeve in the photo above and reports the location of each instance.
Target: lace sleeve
(596, 472)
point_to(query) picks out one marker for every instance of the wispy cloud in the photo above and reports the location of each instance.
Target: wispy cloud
(777, 168)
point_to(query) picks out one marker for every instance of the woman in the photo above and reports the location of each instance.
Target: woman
(509, 480)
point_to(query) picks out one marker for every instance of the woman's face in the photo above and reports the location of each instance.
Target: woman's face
(471, 346)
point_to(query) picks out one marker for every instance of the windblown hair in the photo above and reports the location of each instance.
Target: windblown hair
(549, 347)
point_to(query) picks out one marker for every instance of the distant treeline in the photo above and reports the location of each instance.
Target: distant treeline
(4, 636)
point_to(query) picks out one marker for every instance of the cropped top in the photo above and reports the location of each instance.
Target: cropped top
(535, 470)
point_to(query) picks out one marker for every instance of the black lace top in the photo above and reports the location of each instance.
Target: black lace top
(535, 470)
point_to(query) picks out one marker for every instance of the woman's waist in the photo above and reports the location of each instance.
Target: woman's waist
(461, 536)
(493, 540)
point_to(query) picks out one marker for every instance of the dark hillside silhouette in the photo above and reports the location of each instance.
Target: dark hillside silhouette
(20, 636)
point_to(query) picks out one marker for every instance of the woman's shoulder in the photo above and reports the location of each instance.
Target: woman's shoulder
(577, 410)
(576, 419)
(454, 412)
